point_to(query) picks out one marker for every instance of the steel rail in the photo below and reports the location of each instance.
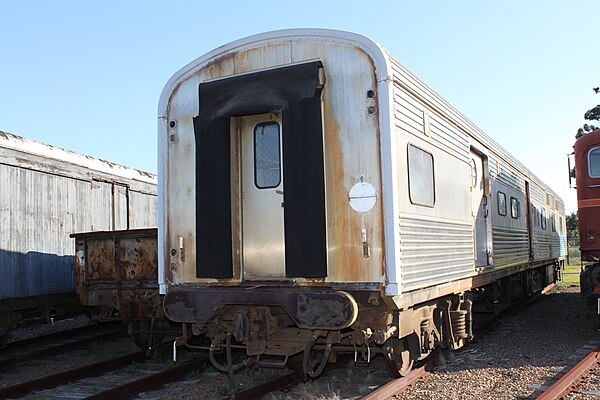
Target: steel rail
(53, 336)
(396, 386)
(130, 389)
(564, 384)
(259, 391)
(67, 344)
(61, 378)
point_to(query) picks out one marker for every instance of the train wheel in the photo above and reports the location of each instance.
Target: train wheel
(398, 360)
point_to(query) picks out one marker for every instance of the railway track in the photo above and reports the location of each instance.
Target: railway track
(118, 378)
(57, 343)
(569, 382)
(397, 386)
(258, 392)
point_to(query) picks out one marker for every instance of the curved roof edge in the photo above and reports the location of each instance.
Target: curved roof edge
(377, 52)
(587, 139)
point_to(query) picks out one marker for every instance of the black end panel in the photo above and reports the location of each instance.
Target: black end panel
(213, 197)
(295, 91)
(304, 188)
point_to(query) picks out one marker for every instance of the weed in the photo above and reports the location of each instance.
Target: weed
(223, 391)
(262, 378)
(210, 368)
(132, 368)
(194, 374)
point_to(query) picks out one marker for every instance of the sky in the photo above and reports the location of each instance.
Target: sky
(87, 75)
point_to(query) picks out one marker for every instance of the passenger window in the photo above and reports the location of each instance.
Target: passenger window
(543, 218)
(560, 225)
(553, 221)
(267, 165)
(501, 203)
(514, 208)
(421, 185)
(594, 162)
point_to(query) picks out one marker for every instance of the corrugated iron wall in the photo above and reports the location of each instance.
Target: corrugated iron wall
(46, 197)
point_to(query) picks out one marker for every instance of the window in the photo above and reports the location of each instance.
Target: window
(267, 160)
(501, 203)
(553, 222)
(420, 177)
(594, 162)
(560, 225)
(543, 218)
(474, 178)
(514, 208)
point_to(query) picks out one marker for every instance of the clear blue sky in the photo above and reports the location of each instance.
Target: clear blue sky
(87, 75)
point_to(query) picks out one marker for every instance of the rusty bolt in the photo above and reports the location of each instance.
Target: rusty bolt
(371, 109)
(172, 124)
(173, 252)
(172, 138)
(370, 93)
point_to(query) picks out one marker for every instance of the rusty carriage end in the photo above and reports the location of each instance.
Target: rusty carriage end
(116, 281)
(269, 324)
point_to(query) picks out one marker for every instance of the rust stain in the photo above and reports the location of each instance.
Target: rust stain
(340, 225)
(125, 280)
(100, 258)
(220, 66)
(352, 151)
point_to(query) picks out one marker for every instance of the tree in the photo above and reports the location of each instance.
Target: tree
(572, 222)
(590, 115)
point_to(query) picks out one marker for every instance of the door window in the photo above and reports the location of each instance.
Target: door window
(267, 159)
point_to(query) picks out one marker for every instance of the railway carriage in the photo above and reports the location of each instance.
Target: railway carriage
(315, 196)
(47, 193)
(587, 172)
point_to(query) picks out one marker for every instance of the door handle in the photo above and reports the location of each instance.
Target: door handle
(279, 192)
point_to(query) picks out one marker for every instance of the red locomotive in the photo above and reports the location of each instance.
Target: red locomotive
(587, 167)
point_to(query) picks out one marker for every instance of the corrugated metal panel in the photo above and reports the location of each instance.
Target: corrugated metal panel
(145, 206)
(44, 198)
(408, 112)
(409, 82)
(433, 252)
(511, 246)
(545, 246)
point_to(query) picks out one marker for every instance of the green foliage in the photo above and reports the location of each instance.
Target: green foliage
(194, 374)
(570, 276)
(590, 115)
(132, 368)
(572, 222)
(259, 379)
(593, 114)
